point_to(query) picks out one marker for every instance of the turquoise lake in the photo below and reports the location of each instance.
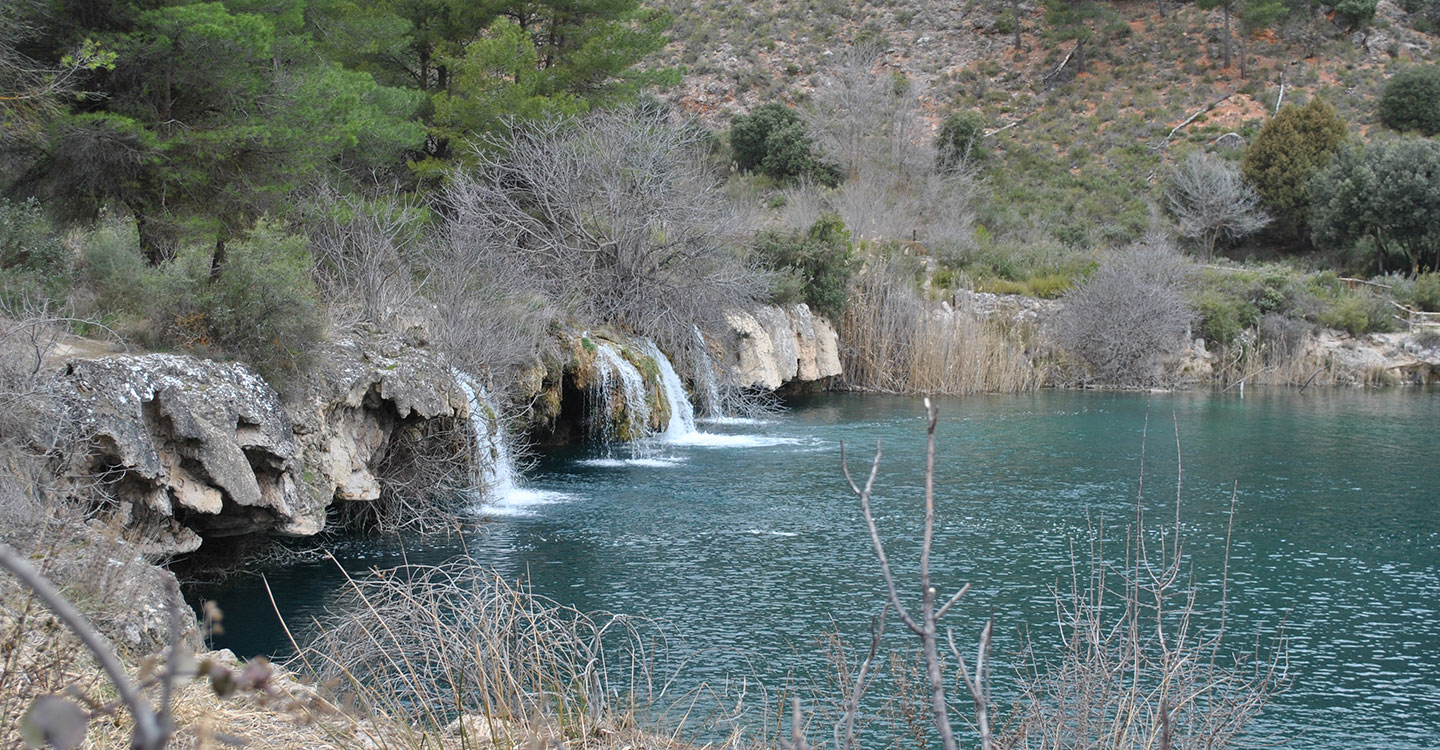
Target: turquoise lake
(746, 543)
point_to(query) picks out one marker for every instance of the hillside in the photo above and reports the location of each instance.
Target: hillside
(1078, 151)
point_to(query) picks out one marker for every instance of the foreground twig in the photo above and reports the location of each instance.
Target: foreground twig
(926, 627)
(149, 733)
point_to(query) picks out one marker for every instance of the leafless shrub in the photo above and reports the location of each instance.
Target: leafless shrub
(865, 118)
(437, 644)
(614, 217)
(925, 623)
(1212, 203)
(1129, 315)
(1141, 664)
(871, 122)
(367, 254)
(897, 341)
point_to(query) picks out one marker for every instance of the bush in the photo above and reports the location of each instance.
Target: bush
(1358, 314)
(1387, 193)
(773, 141)
(33, 259)
(1411, 100)
(1423, 293)
(113, 268)
(264, 307)
(1292, 146)
(814, 268)
(958, 144)
(1355, 12)
(1128, 316)
(1221, 317)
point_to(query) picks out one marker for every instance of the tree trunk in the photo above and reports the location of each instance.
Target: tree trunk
(157, 248)
(1244, 53)
(1225, 10)
(217, 261)
(1015, 13)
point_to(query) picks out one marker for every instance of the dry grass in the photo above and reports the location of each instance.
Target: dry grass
(894, 340)
(461, 658)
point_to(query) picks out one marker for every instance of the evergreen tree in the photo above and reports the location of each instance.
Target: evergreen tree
(1388, 192)
(1292, 146)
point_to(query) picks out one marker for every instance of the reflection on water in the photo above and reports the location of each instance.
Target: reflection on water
(750, 546)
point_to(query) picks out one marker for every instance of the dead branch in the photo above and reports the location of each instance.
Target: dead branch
(1198, 112)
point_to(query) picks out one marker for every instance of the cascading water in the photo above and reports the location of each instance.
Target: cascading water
(497, 469)
(682, 413)
(705, 377)
(502, 493)
(617, 375)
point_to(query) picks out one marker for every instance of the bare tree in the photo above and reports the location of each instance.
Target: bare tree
(1130, 314)
(1141, 664)
(367, 253)
(614, 217)
(926, 626)
(870, 121)
(1212, 203)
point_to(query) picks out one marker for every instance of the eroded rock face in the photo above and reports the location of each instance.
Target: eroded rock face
(195, 448)
(772, 346)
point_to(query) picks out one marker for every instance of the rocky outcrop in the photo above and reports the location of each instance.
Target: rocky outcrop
(773, 346)
(192, 448)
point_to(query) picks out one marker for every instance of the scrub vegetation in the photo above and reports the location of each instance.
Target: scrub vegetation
(981, 199)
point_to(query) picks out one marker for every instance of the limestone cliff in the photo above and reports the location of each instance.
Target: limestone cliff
(773, 346)
(191, 448)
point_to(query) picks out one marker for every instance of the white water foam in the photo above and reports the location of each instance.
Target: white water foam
(682, 412)
(737, 421)
(705, 376)
(503, 495)
(766, 532)
(631, 385)
(717, 440)
(614, 463)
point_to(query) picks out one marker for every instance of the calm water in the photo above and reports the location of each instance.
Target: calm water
(751, 546)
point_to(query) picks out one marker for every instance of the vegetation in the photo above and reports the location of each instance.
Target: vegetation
(1131, 314)
(1411, 100)
(1211, 203)
(1387, 193)
(1292, 147)
(958, 144)
(814, 268)
(773, 141)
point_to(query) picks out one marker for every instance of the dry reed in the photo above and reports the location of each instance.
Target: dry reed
(461, 658)
(894, 340)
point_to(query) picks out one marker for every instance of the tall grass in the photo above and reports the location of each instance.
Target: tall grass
(895, 340)
(459, 657)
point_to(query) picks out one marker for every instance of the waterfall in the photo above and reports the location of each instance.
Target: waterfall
(682, 413)
(503, 493)
(496, 464)
(618, 375)
(705, 377)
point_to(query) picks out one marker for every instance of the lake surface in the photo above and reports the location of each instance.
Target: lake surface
(749, 545)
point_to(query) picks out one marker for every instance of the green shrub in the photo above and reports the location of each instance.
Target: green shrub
(113, 268)
(1358, 314)
(959, 142)
(814, 268)
(1292, 146)
(264, 307)
(773, 141)
(1355, 12)
(749, 133)
(1423, 293)
(1411, 100)
(33, 259)
(1221, 317)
